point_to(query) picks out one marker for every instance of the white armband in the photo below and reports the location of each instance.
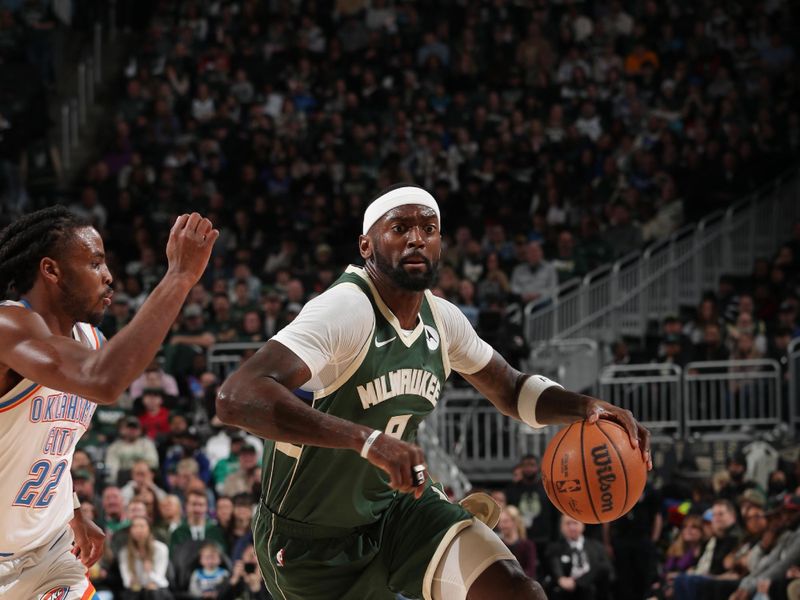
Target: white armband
(529, 398)
(368, 443)
(76, 503)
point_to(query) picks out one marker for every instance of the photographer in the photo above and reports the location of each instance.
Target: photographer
(245, 582)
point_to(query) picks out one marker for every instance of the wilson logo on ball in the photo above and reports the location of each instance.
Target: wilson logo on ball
(605, 476)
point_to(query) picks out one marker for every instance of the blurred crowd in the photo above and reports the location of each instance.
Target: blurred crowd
(744, 318)
(736, 537)
(556, 136)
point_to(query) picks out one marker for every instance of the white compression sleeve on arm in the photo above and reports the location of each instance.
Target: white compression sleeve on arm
(529, 398)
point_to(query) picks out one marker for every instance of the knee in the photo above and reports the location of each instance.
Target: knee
(525, 588)
(509, 577)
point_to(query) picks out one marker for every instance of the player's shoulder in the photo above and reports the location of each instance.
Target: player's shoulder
(16, 317)
(342, 295)
(448, 311)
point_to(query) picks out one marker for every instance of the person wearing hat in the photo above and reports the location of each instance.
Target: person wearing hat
(131, 445)
(192, 337)
(737, 482)
(342, 474)
(120, 314)
(724, 537)
(246, 476)
(777, 551)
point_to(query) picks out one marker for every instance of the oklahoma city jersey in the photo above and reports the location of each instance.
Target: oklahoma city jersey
(39, 429)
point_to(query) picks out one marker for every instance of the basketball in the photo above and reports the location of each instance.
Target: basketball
(591, 472)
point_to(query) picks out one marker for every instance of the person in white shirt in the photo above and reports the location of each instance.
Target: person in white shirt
(143, 562)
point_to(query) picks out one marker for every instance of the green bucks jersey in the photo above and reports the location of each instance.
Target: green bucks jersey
(393, 383)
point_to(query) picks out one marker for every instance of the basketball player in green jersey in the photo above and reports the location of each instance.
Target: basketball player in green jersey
(343, 516)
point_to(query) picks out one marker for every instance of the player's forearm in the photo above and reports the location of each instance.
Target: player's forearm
(127, 354)
(269, 410)
(557, 406)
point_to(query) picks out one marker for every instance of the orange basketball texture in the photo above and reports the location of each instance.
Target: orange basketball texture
(591, 473)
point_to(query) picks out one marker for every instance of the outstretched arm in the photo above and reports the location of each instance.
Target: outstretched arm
(257, 398)
(506, 388)
(30, 349)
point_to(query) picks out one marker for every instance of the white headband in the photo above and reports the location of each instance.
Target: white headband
(398, 197)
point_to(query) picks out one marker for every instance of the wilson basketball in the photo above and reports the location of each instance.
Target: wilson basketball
(591, 472)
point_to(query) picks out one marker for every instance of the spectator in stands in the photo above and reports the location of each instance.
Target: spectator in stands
(222, 325)
(272, 306)
(247, 475)
(512, 531)
(209, 576)
(250, 329)
(631, 542)
(135, 509)
(243, 302)
(706, 313)
(534, 280)
(83, 485)
(224, 512)
(186, 444)
(566, 263)
(113, 509)
(245, 582)
(725, 536)
(787, 317)
(155, 416)
(682, 554)
(191, 338)
(198, 526)
(529, 497)
(735, 482)
(238, 533)
(143, 564)
(623, 236)
(737, 563)
(171, 512)
(119, 315)
(154, 377)
(745, 324)
(777, 551)
(580, 566)
(711, 347)
(131, 446)
(466, 301)
(495, 283)
(142, 478)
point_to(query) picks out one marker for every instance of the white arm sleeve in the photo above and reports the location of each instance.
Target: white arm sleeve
(468, 353)
(329, 332)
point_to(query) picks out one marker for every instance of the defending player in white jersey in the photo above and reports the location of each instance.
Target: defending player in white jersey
(54, 369)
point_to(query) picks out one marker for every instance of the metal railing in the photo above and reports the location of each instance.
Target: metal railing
(651, 392)
(224, 359)
(575, 363)
(740, 393)
(484, 443)
(621, 298)
(793, 387)
(74, 113)
(704, 398)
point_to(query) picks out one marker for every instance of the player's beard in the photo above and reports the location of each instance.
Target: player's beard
(412, 282)
(77, 306)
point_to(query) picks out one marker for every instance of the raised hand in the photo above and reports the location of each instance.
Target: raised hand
(189, 247)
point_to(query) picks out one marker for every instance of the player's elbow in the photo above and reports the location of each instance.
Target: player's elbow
(229, 404)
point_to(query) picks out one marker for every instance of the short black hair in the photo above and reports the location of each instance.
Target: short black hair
(391, 188)
(28, 240)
